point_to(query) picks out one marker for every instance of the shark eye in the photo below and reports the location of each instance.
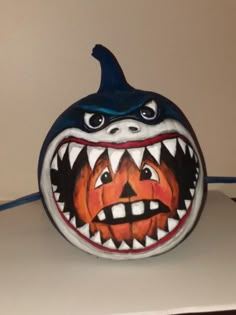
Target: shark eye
(104, 178)
(149, 173)
(149, 110)
(94, 120)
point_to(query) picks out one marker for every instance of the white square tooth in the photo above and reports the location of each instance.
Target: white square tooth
(118, 211)
(67, 215)
(74, 151)
(190, 151)
(161, 233)
(84, 230)
(172, 223)
(93, 154)
(62, 150)
(73, 221)
(155, 151)
(115, 156)
(192, 191)
(187, 203)
(170, 144)
(182, 144)
(181, 213)
(149, 241)
(154, 205)
(124, 245)
(54, 165)
(136, 244)
(61, 205)
(101, 215)
(137, 208)
(97, 238)
(110, 244)
(56, 196)
(137, 155)
(54, 188)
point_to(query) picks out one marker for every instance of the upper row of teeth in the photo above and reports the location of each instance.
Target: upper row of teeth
(115, 155)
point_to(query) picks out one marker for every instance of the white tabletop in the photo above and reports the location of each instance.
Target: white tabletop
(41, 273)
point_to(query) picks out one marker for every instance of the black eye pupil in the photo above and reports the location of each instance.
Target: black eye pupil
(148, 112)
(145, 174)
(96, 120)
(106, 178)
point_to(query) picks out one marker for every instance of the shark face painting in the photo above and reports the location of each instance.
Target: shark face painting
(121, 172)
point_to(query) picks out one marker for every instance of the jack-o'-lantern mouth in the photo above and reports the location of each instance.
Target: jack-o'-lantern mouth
(164, 216)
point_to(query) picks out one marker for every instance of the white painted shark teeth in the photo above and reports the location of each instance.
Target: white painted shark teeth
(54, 164)
(110, 244)
(97, 237)
(57, 196)
(74, 151)
(192, 191)
(187, 203)
(172, 223)
(137, 155)
(61, 205)
(182, 144)
(67, 215)
(181, 213)
(155, 151)
(62, 150)
(93, 154)
(124, 246)
(85, 230)
(73, 221)
(161, 233)
(170, 144)
(137, 244)
(190, 151)
(115, 156)
(149, 241)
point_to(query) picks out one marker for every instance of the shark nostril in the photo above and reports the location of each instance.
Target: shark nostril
(113, 131)
(134, 129)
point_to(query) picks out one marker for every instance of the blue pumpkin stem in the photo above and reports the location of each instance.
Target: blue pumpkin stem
(112, 76)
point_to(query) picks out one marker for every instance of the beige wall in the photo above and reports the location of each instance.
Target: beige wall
(182, 49)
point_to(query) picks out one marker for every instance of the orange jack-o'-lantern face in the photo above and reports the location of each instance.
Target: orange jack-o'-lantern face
(129, 204)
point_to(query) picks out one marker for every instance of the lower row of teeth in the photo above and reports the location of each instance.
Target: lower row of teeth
(110, 244)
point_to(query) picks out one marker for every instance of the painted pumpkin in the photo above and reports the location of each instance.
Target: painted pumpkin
(121, 172)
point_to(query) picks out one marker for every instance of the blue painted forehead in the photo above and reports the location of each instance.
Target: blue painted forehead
(115, 96)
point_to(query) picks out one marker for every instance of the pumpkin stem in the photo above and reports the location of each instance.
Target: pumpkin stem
(112, 76)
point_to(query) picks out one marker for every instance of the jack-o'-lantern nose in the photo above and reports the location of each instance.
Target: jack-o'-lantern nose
(127, 191)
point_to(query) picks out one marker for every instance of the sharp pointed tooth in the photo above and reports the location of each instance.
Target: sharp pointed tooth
(124, 245)
(161, 233)
(73, 221)
(137, 208)
(170, 144)
(136, 244)
(61, 205)
(190, 151)
(101, 215)
(54, 164)
(197, 169)
(67, 215)
(74, 151)
(172, 223)
(54, 188)
(84, 230)
(97, 238)
(93, 155)
(154, 205)
(57, 196)
(110, 244)
(118, 211)
(187, 203)
(194, 183)
(181, 213)
(182, 144)
(137, 155)
(149, 241)
(196, 175)
(195, 157)
(155, 151)
(115, 156)
(192, 191)
(62, 150)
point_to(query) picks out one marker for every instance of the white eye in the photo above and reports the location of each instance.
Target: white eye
(104, 178)
(149, 110)
(149, 173)
(94, 120)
